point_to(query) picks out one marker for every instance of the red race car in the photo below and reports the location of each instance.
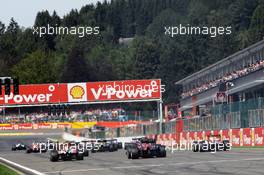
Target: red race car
(66, 151)
(145, 147)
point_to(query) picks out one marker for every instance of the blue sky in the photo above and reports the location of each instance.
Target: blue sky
(24, 11)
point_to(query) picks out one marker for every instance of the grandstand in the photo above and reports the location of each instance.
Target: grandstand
(227, 94)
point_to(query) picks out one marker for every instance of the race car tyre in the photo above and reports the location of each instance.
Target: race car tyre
(54, 156)
(134, 155)
(86, 153)
(128, 155)
(44, 151)
(79, 156)
(119, 145)
(65, 157)
(102, 149)
(13, 148)
(148, 154)
(162, 152)
(111, 148)
(29, 150)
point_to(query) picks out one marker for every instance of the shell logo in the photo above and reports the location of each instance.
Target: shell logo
(77, 92)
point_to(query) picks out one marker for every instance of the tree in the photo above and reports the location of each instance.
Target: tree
(8, 40)
(2, 28)
(37, 67)
(146, 57)
(75, 68)
(256, 30)
(100, 66)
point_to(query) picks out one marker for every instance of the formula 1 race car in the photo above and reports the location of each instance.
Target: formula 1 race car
(119, 144)
(92, 145)
(36, 147)
(127, 144)
(212, 144)
(84, 147)
(19, 146)
(66, 151)
(107, 145)
(145, 148)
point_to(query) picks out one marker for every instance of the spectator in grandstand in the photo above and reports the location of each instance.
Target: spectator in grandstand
(89, 115)
(228, 77)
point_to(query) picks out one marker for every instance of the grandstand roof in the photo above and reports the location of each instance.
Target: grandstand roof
(221, 63)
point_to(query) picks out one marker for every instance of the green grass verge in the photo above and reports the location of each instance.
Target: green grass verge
(6, 171)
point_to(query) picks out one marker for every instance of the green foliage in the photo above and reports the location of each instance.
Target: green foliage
(146, 57)
(256, 30)
(151, 54)
(37, 67)
(75, 67)
(4, 170)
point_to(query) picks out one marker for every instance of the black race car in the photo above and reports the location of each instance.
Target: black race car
(19, 146)
(91, 145)
(119, 144)
(145, 148)
(107, 145)
(212, 144)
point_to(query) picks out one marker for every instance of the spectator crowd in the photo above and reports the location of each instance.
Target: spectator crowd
(116, 114)
(226, 78)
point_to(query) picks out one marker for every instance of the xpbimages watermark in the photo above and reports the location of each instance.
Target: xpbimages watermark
(80, 31)
(212, 31)
(42, 147)
(201, 146)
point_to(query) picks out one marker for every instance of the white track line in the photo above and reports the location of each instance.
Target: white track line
(155, 165)
(20, 166)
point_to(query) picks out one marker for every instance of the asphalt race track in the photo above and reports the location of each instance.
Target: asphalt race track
(240, 162)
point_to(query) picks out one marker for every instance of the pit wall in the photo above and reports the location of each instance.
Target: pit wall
(244, 137)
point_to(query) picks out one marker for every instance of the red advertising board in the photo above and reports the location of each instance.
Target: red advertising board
(6, 126)
(235, 137)
(199, 135)
(207, 134)
(84, 92)
(44, 126)
(192, 137)
(258, 136)
(124, 90)
(238, 137)
(247, 139)
(225, 134)
(37, 94)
